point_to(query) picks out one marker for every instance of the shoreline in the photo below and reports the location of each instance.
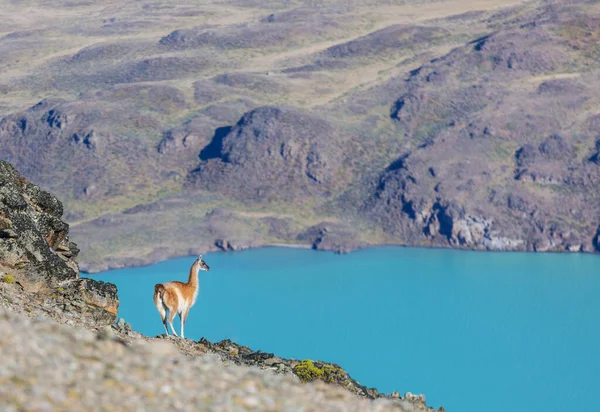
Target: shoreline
(127, 263)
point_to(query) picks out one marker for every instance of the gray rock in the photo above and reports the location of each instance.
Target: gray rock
(36, 245)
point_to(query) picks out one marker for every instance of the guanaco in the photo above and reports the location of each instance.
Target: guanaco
(177, 297)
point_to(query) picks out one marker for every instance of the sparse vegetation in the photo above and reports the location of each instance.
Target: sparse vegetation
(308, 371)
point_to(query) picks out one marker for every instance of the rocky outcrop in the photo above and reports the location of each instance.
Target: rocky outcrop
(305, 370)
(546, 163)
(273, 152)
(96, 301)
(229, 245)
(36, 252)
(411, 202)
(336, 237)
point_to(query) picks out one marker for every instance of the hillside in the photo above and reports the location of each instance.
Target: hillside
(176, 128)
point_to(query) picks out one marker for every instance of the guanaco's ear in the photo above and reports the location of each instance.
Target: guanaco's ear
(200, 257)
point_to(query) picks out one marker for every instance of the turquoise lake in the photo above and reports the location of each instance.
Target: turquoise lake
(473, 331)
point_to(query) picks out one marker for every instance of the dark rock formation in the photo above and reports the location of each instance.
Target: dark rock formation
(228, 245)
(36, 251)
(181, 145)
(276, 153)
(546, 163)
(336, 237)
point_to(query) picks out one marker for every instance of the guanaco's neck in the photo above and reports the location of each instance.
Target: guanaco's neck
(193, 279)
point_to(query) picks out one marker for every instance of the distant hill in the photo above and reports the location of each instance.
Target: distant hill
(175, 128)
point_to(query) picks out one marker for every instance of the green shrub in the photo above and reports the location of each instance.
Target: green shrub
(7, 279)
(309, 371)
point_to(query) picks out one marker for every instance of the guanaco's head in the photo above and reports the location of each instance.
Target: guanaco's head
(202, 264)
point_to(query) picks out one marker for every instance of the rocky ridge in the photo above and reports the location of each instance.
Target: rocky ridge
(35, 251)
(50, 366)
(83, 363)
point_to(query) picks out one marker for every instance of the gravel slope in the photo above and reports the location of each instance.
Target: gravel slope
(48, 366)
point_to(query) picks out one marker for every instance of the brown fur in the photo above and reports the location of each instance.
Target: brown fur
(176, 297)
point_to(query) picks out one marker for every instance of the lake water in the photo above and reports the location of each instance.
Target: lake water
(473, 331)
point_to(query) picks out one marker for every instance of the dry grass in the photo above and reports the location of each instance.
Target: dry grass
(53, 30)
(41, 38)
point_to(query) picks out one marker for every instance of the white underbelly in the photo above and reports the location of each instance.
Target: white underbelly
(181, 303)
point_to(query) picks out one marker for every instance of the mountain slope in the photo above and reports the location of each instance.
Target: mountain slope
(181, 128)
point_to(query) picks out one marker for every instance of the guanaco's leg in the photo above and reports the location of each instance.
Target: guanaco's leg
(164, 321)
(171, 317)
(183, 317)
(165, 325)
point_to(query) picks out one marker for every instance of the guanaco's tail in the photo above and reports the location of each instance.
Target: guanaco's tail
(159, 291)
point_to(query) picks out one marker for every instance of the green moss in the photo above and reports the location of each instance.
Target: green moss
(7, 279)
(309, 371)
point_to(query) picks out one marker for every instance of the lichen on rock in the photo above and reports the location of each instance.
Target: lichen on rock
(7, 279)
(308, 371)
(36, 251)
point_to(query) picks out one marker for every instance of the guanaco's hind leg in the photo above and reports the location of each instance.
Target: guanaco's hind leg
(172, 314)
(163, 316)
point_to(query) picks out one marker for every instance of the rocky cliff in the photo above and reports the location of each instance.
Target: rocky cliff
(36, 254)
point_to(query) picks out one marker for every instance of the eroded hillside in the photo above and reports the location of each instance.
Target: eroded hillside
(171, 128)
